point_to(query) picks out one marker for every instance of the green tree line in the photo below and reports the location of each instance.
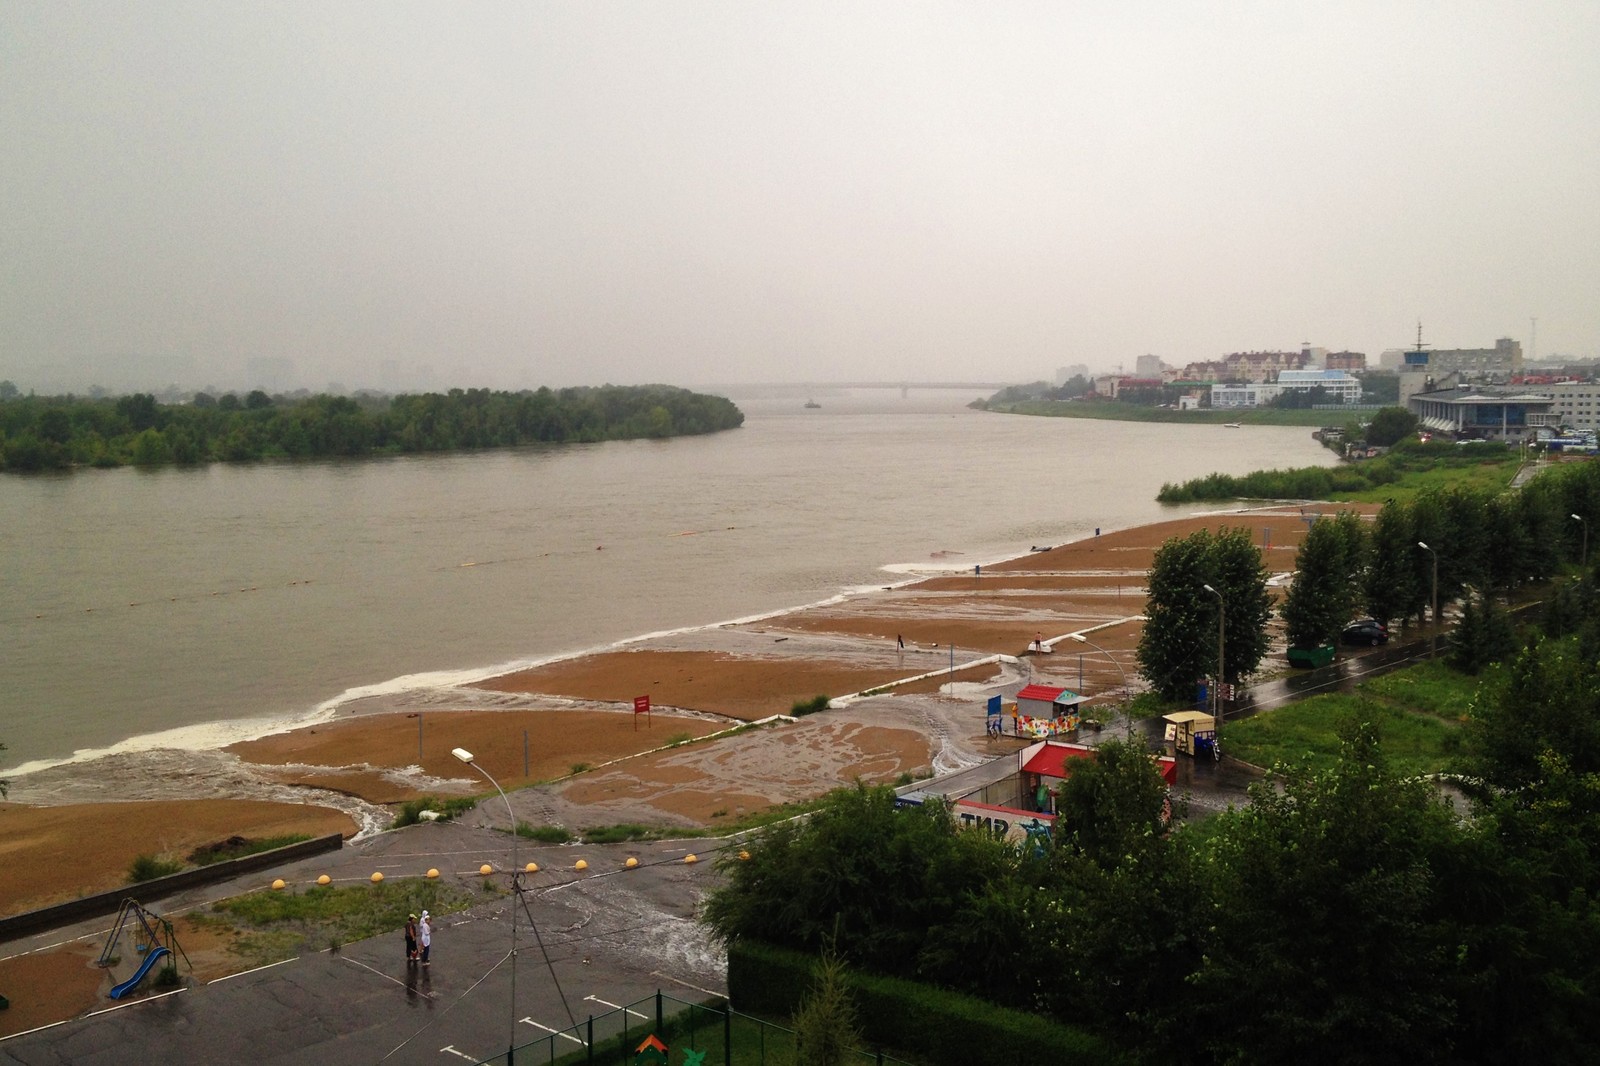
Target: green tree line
(1479, 543)
(1319, 483)
(53, 433)
(1345, 915)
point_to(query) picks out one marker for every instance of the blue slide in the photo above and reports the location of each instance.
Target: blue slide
(144, 967)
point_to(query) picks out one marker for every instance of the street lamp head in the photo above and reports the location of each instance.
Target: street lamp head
(1424, 546)
(1577, 518)
(1211, 590)
(1079, 637)
(462, 753)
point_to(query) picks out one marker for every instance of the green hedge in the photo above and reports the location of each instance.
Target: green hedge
(931, 1025)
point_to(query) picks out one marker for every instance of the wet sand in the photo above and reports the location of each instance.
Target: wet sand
(51, 854)
(729, 674)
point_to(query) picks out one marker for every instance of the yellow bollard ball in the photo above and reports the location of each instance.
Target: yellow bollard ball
(691, 857)
(277, 886)
(432, 873)
(377, 878)
(486, 869)
(744, 856)
(324, 880)
(532, 867)
(631, 863)
(581, 864)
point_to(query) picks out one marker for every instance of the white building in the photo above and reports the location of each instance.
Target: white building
(1338, 384)
(1249, 395)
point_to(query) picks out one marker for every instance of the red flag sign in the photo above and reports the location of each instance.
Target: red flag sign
(641, 705)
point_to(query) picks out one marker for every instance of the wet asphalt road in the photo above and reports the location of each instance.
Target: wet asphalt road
(612, 935)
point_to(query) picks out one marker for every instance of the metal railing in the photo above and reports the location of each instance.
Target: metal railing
(706, 1033)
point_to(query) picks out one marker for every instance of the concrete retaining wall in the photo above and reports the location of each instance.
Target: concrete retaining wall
(145, 891)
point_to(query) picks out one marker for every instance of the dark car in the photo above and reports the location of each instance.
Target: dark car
(1365, 631)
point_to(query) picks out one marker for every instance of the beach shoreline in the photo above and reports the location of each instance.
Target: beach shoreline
(568, 720)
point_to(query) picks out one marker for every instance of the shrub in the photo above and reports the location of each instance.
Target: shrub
(811, 706)
(544, 834)
(150, 867)
(410, 812)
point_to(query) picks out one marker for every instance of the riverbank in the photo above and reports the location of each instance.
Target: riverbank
(908, 668)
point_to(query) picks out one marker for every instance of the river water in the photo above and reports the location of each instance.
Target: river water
(190, 607)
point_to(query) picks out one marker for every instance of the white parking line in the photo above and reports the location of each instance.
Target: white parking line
(553, 1032)
(451, 1050)
(258, 969)
(615, 1006)
(685, 984)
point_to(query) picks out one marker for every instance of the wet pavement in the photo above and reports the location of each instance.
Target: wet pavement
(613, 935)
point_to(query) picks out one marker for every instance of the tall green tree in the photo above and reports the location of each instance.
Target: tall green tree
(1324, 942)
(1112, 804)
(1322, 596)
(1390, 425)
(1178, 645)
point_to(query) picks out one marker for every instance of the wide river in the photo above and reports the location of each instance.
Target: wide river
(187, 608)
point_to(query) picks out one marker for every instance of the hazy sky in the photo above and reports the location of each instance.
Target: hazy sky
(569, 193)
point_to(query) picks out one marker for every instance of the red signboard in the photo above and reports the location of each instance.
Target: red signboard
(641, 705)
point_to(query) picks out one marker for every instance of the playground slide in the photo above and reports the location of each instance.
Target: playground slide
(156, 954)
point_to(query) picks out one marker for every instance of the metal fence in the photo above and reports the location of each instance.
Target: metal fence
(691, 1033)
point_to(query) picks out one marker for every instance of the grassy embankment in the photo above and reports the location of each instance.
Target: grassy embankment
(1411, 469)
(1419, 712)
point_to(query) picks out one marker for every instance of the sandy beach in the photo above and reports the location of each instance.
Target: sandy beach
(902, 646)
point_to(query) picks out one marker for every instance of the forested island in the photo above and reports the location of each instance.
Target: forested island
(62, 432)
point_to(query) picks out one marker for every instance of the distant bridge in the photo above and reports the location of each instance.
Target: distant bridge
(991, 386)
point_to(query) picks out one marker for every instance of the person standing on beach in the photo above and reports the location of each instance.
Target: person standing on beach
(425, 932)
(411, 938)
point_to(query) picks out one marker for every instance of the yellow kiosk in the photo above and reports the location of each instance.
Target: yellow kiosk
(1191, 730)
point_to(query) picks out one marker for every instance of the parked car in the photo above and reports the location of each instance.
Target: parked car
(1365, 631)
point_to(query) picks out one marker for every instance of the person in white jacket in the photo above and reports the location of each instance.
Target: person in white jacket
(425, 936)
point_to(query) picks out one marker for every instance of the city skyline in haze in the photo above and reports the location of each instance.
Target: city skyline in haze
(498, 195)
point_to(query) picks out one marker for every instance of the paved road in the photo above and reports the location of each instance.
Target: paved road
(612, 936)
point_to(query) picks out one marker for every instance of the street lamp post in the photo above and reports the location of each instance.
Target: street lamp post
(1080, 638)
(1222, 614)
(1584, 563)
(516, 891)
(1434, 640)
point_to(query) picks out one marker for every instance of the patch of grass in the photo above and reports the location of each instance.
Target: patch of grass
(239, 847)
(544, 834)
(1414, 743)
(617, 834)
(410, 812)
(278, 925)
(802, 708)
(1429, 688)
(580, 768)
(679, 739)
(150, 867)
(720, 812)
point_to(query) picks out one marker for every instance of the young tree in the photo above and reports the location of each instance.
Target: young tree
(1484, 635)
(825, 1029)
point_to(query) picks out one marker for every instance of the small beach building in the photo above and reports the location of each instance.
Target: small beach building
(1047, 701)
(1047, 711)
(1043, 766)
